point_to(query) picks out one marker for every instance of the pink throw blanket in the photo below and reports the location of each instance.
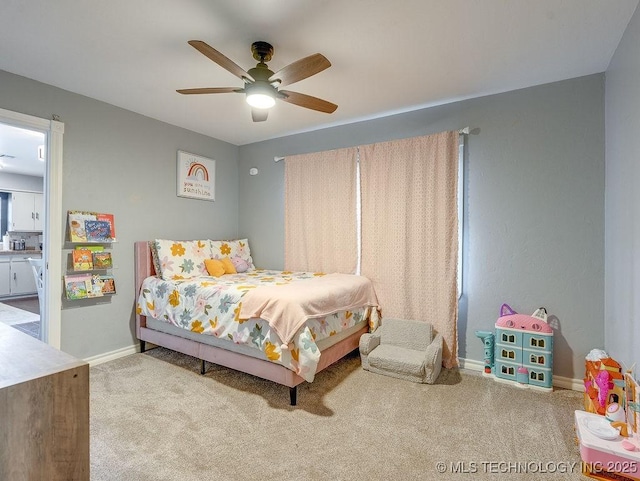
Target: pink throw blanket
(287, 307)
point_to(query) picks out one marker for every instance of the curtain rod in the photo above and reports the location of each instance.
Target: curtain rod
(462, 131)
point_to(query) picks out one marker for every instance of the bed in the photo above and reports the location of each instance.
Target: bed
(234, 320)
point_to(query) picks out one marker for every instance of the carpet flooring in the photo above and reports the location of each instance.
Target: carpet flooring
(154, 417)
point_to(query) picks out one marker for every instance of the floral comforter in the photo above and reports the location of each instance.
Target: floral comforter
(211, 306)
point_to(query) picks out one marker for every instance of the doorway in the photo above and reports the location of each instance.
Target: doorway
(51, 238)
(22, 172)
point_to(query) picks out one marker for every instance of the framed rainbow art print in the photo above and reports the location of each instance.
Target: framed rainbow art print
(196, 176)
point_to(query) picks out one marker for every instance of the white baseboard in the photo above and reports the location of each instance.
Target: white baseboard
(559, 381)
(470, 364)
(110, 356)
(568, 383)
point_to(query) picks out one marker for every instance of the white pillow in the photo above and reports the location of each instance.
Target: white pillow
(182, 259)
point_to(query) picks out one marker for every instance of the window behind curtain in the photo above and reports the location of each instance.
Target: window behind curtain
(410, 230)
(409, 224)
(320, 212)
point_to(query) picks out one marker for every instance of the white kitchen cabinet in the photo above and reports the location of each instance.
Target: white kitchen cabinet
(38, 210)
(26, 211)
(16, 275)
(5, 275)
(22, 280)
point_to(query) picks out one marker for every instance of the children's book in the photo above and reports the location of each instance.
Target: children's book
(82, 259)
(91, 248)
(96, 286)
(77, 221)
(112, 224)
(108, 284)
(97, 231)
(102, 260)
(77, 286)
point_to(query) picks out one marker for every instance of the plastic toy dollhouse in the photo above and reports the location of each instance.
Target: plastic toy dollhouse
(521, 351)
(609, 443)
(603, 382)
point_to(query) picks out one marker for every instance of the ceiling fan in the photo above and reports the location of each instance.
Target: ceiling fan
(261, 85)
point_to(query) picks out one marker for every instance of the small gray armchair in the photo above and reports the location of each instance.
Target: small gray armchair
(404, 349)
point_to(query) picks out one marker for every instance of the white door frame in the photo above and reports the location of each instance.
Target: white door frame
(53, 234)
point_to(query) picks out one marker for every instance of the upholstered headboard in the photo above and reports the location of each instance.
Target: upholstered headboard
(144, 268)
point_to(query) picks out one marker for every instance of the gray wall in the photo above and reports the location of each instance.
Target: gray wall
(120, 162)
(622, 213)
(29, 183)
(534, 200)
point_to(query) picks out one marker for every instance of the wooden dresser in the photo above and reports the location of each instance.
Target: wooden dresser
(44, 411)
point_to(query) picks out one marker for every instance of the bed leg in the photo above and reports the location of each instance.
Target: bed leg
(293, 395)
(202, 367)
(143, 346)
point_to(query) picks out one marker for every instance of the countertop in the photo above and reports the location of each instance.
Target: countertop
(19, 253)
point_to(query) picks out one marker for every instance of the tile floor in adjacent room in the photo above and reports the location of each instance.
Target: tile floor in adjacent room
(29, 304)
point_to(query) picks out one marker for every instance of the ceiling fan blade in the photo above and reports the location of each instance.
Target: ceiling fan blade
(301, 69)
(220, 59)
(211, 90)
(308, 101)
(259, 115)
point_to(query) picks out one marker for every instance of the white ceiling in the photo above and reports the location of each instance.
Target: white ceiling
(387, 56)
(19, 151)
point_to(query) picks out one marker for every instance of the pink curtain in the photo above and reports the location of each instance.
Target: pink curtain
(320, 212)
(410, 230)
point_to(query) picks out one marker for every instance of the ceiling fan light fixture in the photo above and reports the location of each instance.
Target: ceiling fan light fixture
(261, 101)
(260, 95)
(261, 98)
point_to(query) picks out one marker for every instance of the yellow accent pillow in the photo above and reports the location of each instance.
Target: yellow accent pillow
(214, 267)
(229, 268)
(236, 250)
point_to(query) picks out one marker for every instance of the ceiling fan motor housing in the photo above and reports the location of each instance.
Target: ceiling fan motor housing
(262, 51)
(260, 73)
